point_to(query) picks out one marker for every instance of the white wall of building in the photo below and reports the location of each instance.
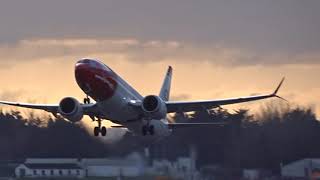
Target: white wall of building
(131, 166)
(182, 168)
(301, 168)
(251, 174)
(112, 171)
(112, 167)
(23, 171)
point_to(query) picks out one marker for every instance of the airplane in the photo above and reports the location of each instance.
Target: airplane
(116, 101)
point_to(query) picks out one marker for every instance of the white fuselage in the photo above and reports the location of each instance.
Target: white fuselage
(113, 95)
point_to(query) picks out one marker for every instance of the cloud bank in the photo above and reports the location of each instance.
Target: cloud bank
(140, 51)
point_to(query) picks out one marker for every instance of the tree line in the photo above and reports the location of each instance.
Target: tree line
(264, 140)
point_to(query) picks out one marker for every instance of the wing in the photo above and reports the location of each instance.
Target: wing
(183, 125)
(187, 106)
(53, 108)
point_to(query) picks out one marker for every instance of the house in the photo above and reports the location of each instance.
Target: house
(49, 170)
(50, 167)
(304, 168)
(131, 166)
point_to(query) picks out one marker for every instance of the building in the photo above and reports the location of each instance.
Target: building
(132, 166)
(49, 170)
(304, 168)
(181, 168)
(252, 174)
(112, 167)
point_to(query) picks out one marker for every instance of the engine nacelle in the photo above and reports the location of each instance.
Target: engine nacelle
(154, 107)
(70, 109)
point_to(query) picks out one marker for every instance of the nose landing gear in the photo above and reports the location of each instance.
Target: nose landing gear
(86, 100)
(98, 129)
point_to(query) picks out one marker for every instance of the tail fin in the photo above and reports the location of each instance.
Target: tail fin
(165, 89)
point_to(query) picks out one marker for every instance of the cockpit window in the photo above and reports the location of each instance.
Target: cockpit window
(95, 63)
(85, 61)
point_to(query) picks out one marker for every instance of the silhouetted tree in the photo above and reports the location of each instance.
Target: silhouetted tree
(275, 135)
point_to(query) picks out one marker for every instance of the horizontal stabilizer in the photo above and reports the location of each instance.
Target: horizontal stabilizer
(118, 126)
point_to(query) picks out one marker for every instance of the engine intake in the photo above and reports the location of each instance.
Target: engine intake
(71, 109)
(150, 103)
(154, 107)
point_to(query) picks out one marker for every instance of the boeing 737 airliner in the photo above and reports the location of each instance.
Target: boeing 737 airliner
(118, 102)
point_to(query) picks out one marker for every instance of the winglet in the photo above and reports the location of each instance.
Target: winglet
(276, 91)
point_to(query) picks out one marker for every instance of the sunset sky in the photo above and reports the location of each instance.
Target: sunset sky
(218, 49)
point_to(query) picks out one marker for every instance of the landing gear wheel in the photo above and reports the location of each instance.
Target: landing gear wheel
(96, 131)
(144, 130)
(103, 131)
(151, 130)
(86, 100)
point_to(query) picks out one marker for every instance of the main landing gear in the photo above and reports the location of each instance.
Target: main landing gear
(147, 129)
(98, 129)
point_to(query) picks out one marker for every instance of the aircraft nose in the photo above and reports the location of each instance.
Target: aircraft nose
(82, 62)
(82, 65)
(83, 75)
(80, 68)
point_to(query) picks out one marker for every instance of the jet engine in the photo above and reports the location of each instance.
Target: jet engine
(70, 109)
(154, 107)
